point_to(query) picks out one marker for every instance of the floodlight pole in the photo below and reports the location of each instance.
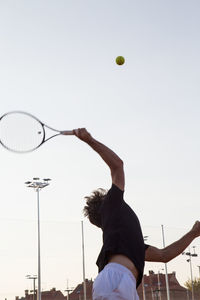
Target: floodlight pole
(68, 290)
(190, 261)
(199, 270)
(83, 255)
(166, 272)
(143, 284)
(34, 277)
(39, 261)
(37, 186)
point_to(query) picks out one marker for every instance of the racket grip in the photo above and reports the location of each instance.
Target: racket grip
(67, 132)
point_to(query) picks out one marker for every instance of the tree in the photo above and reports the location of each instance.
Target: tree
(196, 284)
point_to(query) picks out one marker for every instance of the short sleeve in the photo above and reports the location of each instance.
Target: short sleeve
(112, 201)
(114, 194)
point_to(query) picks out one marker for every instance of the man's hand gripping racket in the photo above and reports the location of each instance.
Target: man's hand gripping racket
(83, 134)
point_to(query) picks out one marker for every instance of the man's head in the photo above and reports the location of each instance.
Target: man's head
(93, 206)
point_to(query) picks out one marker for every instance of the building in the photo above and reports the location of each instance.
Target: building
(78, 293)
(154, 287)
(53, 294)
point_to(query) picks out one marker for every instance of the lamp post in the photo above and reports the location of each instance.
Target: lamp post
(145, 237)
(37, 185)
(83, 256)
(33, 277)
(166, 271)
(199, 270)
(190, 261)
(68, 290)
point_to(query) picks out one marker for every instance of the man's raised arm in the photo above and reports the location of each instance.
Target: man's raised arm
(168, 253)
(111, 159)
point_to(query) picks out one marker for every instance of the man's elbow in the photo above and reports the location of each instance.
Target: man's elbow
(119, 164)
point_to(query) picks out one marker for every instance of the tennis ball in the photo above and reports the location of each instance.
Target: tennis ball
(120, 60)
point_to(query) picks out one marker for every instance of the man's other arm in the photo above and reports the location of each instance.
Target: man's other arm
(168, 253)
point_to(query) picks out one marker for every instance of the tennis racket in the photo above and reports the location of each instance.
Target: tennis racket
(22, 132)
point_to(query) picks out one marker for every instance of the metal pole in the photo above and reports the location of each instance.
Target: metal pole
(67, 290)
(34, 288)
(83, 254)
(37, 185)
(143, 289)
(166, 273)
(159, 284)
(188, 298)
(190, 260)
(199, 270)
(34, 277)
(39, 265)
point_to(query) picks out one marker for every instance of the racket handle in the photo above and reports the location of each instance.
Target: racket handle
(67, 132)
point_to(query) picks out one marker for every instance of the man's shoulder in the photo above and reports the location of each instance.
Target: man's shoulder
(114, 194)
(115, 190)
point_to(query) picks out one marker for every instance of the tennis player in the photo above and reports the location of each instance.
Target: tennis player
(121, 260)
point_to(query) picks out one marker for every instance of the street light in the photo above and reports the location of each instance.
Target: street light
(190, 261)
(166, 272)
(37, 185)
(83, 255)
(145, 237)
(34, 277)
(68, 290)
(199, 270)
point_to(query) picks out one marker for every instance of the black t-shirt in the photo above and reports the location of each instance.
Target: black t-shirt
(121, 232)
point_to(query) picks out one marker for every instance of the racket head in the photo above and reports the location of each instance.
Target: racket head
(21, 132)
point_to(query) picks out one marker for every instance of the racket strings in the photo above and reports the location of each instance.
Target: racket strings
(21, 132)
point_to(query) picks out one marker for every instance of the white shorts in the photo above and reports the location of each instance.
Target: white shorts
(115, 282)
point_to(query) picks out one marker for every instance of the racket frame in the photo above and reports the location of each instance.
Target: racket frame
(43, 125)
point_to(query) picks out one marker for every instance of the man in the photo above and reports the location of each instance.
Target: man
(121, 260)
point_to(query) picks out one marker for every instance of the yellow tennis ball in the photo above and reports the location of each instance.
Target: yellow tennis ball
(120, 60)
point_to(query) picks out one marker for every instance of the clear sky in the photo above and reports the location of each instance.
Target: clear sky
(57, 61)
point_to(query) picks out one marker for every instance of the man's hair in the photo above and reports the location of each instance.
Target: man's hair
(93, 206)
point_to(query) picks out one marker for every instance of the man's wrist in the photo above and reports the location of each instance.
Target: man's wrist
(91, 141)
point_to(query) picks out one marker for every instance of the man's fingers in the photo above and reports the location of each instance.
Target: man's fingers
(78, 131)
(81, 133)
